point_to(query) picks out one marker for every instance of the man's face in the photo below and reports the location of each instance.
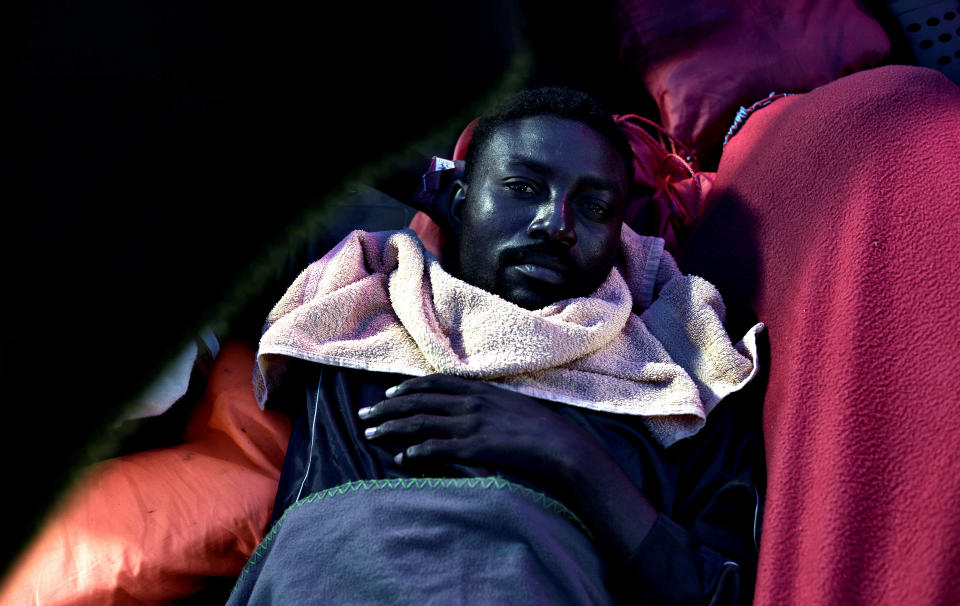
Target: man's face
(540, 221)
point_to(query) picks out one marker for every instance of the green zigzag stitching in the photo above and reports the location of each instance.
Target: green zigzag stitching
(537, 497)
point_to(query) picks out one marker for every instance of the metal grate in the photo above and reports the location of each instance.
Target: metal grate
(933, 29)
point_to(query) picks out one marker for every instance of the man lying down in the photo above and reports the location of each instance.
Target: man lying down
(523, 423)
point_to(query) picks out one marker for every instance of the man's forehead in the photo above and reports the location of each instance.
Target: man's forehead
(551, 142)
(537, 132)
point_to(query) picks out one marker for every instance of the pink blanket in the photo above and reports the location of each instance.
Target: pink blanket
(836, 219)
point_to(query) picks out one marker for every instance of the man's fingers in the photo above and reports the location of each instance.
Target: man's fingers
(456, 449)
(412, 403)
(437, 383)
(420, 425)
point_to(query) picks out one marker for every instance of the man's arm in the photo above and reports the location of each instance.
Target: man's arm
(450, 419)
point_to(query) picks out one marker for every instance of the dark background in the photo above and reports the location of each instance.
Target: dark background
(164, 154)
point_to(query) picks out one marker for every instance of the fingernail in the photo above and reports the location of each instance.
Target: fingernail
(399, 458)
(392, 390)
(364, 412)
(369, 432)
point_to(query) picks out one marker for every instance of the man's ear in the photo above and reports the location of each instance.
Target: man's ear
(458, 194)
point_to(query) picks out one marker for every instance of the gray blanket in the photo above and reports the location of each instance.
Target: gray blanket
(425, 541)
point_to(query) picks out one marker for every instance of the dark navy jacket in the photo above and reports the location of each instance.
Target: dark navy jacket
(708, 488)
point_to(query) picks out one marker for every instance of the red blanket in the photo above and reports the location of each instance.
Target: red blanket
(836, 220)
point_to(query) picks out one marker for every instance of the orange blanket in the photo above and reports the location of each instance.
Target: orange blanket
(156, 525)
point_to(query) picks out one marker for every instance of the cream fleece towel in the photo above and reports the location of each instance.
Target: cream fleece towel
(377, 301)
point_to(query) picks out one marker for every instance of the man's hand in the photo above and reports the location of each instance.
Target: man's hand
(455, 420)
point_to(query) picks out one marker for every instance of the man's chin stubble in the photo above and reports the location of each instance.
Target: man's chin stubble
(529, 298)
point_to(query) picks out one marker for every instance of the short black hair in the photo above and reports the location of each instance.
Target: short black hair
(549, 101)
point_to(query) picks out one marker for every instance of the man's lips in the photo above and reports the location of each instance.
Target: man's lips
(539, 272)
(540, 265)
(543, 267)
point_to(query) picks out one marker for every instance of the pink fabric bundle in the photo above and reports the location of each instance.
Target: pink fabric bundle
(836, 218)
(701, 60)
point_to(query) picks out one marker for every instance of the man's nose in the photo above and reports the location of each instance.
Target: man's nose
(554, 221)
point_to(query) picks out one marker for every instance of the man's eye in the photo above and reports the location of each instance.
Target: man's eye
(595, 209)
(521, 188)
